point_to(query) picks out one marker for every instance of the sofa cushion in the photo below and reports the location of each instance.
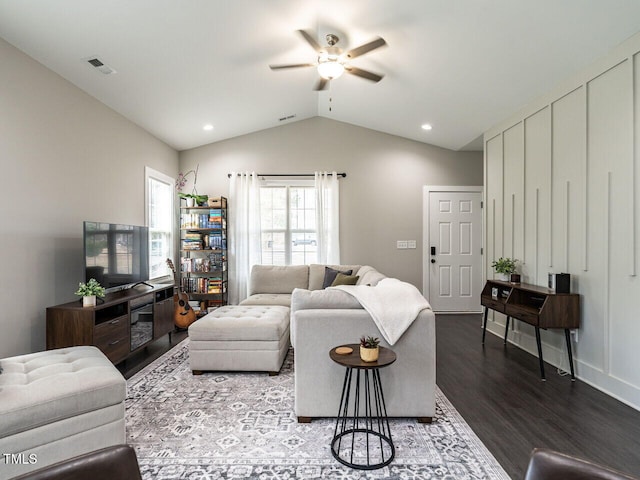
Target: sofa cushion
(45, 387)
(342, 279)
(322, 299)
(283, 299)
(316, 274)
(278, 278)
(369, 276)
(330, 275)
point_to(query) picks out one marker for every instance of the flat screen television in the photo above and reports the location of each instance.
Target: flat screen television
(116, 255)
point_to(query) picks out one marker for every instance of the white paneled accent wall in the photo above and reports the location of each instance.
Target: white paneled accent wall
(561, 195)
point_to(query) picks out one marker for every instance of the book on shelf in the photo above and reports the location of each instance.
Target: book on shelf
(201, 220)
(191, 245)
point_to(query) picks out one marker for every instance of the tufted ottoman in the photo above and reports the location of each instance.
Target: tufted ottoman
(58, 404)
(238, 337)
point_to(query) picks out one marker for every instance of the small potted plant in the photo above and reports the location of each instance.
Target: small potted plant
(89, 291)
(192, 199)
(369, 348)
(504, 267)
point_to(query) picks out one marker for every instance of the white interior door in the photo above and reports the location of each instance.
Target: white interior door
(454, 255)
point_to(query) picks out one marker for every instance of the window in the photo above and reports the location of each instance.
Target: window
(288, 224)
(160, 212)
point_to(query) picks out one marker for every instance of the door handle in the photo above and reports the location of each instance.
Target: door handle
(433, 260)
(433, 250)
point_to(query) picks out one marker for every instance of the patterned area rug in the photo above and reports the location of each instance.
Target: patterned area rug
(242, 425)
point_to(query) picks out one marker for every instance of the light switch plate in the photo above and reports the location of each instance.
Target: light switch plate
(401, 244)
(411, 244)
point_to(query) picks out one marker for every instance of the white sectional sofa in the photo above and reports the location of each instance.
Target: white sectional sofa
(324, 318)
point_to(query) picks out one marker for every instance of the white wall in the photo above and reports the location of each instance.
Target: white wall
(65, 158)
(381, 198)
(561, 183)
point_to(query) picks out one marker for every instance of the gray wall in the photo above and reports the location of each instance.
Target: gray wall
(562, 196)
(65, 158)
(381, 198)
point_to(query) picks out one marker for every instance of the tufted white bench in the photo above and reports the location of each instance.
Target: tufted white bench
(240, 338)
(58, 404)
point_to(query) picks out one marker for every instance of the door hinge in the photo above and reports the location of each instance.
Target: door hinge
(481, 251)
(481, 204)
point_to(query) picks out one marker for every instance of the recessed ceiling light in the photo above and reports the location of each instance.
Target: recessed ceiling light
(208, 127)
(426, 126)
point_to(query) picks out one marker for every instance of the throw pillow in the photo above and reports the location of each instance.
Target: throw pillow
(330, 275)
(342, 279)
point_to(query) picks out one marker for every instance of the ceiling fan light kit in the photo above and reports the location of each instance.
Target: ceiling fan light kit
(330, 69)
(332, 61)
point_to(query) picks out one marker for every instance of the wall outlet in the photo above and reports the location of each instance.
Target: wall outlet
(411, 244)
(574, 334)
(401, 244)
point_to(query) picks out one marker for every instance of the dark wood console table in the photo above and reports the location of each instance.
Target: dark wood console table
(537, 306)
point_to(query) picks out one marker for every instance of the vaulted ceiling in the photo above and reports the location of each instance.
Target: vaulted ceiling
(459, 65)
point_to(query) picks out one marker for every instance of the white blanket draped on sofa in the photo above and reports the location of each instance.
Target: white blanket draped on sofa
(392, 304)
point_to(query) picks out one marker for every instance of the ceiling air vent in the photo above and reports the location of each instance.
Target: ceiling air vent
(106, 69)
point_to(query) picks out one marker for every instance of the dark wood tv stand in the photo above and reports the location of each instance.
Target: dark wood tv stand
(537, 306)
(121, 325)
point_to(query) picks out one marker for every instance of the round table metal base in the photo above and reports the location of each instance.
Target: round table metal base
(385, 452)
(362, 436)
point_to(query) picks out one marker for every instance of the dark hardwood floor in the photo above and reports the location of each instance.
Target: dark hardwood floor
(499, 393)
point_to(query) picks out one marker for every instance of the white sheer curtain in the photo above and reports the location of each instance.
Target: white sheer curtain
(328, 217)
(244, 232)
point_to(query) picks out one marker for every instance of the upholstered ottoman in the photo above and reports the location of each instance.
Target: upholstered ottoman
(240, 338)
(58, 404)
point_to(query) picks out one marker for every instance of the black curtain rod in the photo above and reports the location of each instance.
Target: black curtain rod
(343, 175)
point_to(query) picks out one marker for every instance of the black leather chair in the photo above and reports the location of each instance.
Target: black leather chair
(112, 463)
(546, 464)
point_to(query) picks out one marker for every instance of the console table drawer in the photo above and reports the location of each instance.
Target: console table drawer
(493, 304)
(112, 338)
(527, 316)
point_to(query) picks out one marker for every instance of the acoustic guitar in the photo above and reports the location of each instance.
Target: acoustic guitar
(183, 314)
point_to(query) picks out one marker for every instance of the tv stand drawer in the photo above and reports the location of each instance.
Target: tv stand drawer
(113, 338)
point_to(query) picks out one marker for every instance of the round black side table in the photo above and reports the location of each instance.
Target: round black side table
(362, 437)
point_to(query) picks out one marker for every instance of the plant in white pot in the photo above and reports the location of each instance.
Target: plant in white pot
(504, 267)
(89, 291)
(369, 348)
(192, 199)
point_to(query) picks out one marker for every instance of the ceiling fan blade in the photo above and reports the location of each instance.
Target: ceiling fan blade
(374, 77)
(322, 84)
(294, 65)
(310, 40)
(367, 47)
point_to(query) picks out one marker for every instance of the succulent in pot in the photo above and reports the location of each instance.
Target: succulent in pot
(369, 348)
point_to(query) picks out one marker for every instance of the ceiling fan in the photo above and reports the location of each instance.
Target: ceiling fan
(333, 62)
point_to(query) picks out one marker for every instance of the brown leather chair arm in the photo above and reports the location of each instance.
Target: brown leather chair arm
(546, 464)
(112, 463)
